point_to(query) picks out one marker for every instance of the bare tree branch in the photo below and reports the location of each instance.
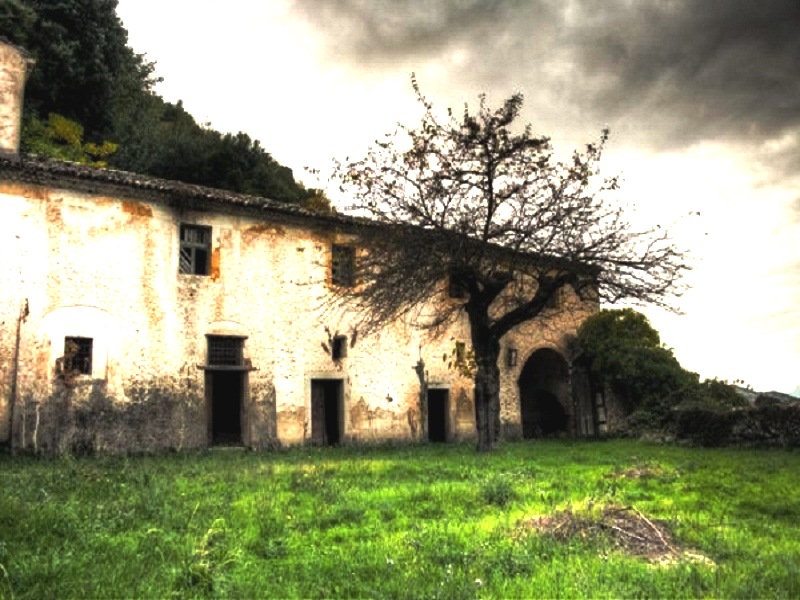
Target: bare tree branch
(472, 202)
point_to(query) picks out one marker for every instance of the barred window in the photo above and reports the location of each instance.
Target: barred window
(78, 355)
(225, 351)
(343, 265)
(195, 250)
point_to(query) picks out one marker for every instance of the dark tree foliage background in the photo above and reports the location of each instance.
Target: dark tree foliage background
(626, 353)
(86, 72)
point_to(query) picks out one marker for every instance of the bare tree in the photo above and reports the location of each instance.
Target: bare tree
(471, 202)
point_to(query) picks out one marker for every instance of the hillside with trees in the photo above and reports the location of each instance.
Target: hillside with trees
(90, 98)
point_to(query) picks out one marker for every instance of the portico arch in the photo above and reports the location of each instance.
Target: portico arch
(544, 394)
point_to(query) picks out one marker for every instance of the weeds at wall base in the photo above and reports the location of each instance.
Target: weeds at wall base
(81, 422)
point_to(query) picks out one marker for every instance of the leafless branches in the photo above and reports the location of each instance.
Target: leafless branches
(468, 198)
(469, 204)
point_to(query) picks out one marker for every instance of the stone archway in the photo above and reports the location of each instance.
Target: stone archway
(544, 395)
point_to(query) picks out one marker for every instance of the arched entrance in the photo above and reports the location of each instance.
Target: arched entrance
(544, 394)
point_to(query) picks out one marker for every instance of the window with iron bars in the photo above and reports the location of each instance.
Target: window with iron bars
(195, 253)
(343, 265)
(78, 355)
(225, 351)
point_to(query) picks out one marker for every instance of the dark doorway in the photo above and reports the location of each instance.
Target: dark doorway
(226, 407)
(544, 395)
(542, 415)
(327, 412)
(438, 407)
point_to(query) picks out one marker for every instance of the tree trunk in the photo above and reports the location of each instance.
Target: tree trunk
(487, 394)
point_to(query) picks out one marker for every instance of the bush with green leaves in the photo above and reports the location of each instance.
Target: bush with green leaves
(62, 138)
(626, 355)
(720, 394)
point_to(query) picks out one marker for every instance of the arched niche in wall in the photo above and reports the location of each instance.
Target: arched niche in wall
(81, 338)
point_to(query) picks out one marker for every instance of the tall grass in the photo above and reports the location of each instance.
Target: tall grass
(408, 522)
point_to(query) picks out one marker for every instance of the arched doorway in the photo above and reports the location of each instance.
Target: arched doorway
(544, 394)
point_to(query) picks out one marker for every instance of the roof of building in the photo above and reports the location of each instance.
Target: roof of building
(35, 170)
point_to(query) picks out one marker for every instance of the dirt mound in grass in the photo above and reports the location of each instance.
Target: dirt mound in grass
(631, 531)
(638, 472)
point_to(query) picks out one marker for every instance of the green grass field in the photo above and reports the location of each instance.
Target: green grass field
(412, 522)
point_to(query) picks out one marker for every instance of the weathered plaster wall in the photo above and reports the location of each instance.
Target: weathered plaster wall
(90, 267)
(23, 245)
(107, 268)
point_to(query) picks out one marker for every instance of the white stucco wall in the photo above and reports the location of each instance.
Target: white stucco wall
(107, 268)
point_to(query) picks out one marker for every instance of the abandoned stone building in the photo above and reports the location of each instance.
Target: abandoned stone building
(139, 314)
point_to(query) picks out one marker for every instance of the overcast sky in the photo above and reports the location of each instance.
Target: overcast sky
(702, 98)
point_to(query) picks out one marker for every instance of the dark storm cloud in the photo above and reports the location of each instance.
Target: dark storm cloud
(720, 68)
(669, 73)
(374, 32)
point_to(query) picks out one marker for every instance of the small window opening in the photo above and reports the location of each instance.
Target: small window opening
(195, 250)
(225, 351)
(339, 347)
(343, 265)
(78, 355)
(554, 301)
(511, 357)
